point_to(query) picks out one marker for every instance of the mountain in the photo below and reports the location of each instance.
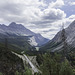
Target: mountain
(56, 44)
(19, 30)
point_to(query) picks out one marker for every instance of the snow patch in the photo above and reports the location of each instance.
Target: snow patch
(32, 41)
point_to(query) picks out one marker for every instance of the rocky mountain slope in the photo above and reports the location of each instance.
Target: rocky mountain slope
(55, 44)
(14, 29)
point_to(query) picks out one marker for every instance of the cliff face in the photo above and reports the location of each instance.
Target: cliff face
(69, 33)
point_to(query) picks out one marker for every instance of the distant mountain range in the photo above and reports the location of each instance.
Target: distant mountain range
(19, 30)
(56, 45)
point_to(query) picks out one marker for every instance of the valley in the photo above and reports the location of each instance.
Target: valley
(23, 52)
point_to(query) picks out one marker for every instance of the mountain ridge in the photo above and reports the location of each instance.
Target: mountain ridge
(56, 45)
(20, 30)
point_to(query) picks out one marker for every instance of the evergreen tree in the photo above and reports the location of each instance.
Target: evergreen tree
(66, 69)
(28, 72)
(53, 65)
(50, 65)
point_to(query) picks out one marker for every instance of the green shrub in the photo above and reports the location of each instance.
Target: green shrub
(1, 73)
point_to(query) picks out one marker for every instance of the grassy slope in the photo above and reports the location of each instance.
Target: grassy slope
(19, 43)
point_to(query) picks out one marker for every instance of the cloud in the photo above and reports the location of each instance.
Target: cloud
(19, 9)
(25, 11)
(49, 16)
(50, 30)
(57, 4)
(54, 14)
(71, 3)
(36, 15)
(69, 20)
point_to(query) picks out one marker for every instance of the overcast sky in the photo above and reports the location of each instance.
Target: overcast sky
(41, 16)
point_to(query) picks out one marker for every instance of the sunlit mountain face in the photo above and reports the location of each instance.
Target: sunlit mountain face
(40, 16)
